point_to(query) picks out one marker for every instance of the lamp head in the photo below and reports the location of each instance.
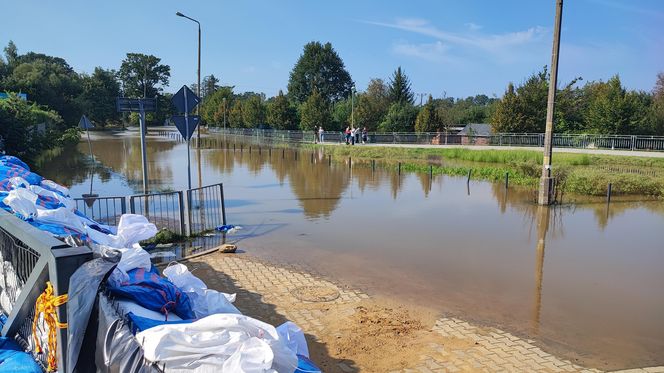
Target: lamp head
(179, 14)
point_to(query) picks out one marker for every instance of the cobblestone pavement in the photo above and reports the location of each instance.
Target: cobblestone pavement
(269, 292)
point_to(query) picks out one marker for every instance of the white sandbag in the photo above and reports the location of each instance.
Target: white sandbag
(181, 277)
(218, 343)
(135, 228)
(134, 257)
(68, 202)
(204, 301)
(293, 337)
(62, 216)
(52, 185)
(208, 302)
(102, 238)
(22, 201)
(127, 306)
(18, 182)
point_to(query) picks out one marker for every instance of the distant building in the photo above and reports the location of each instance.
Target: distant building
(475, 134)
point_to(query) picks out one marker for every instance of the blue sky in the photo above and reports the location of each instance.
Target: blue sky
(457, 48)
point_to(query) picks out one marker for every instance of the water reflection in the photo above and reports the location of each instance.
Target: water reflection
(430, 241)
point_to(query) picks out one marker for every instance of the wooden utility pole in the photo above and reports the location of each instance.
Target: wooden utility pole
(545, 196)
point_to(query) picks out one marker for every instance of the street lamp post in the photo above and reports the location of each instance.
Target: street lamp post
(224, 115)
(352, 107)
(198, 108)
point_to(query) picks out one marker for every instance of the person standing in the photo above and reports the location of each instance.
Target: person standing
(352, 136)
(347, 133)
(365, 135)
(321, 134)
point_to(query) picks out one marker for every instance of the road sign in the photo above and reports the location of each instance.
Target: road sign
(85, 123)
(181, 124)
(185, 100)
(125, 104)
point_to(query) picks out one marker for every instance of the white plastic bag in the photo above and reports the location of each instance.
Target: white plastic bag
(127, 306)
(51, 185)
(22, 201)
(62, 216)
(135, 228)
(68, 202)
(18, 182)
(219, 343)
(134, 257)
(204, 301)
(181, 277)
(293, 337)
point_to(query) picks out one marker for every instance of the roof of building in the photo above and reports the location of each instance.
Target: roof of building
(479, 129)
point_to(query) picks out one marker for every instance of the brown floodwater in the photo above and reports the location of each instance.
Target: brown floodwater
(584, 279)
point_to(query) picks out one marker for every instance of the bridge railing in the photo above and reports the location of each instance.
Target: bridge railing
(579, 141)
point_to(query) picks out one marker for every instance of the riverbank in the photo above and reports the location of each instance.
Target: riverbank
(350, 331)
(579, 174)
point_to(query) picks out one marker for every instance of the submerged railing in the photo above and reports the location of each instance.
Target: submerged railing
(186, 213)
(578, 141)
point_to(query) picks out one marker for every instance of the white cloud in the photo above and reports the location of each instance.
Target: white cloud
(473, 26)
(493, 43)
(427, 51)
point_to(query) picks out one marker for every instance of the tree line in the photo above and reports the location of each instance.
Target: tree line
(320, 92)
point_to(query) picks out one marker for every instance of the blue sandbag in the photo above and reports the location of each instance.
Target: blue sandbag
(11, 160)
(140, 323)
(10, 170)
(58, 230)
(304, 365)
(14, 359)
(154, 292)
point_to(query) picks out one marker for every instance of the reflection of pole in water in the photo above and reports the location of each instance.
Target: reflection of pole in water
(543, 215)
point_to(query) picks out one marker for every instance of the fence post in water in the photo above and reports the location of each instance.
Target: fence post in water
(399, 168)
(283, 153)
(373, 165)
(259, 150)
(329, 160)
(233, 147)
(469, 171)
(312, 157)
(430, 171)
(350, 163)
(608, 193)
(296, 155)
(507, 179)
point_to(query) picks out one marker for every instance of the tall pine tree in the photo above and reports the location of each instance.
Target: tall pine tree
(399, 91)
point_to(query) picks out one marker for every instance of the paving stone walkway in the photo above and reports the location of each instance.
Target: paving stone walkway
(268, 292)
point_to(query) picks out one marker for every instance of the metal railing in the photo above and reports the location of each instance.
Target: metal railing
(165, 210)
(105, 210)
(206, 208)
(30, 258)
(580, 141)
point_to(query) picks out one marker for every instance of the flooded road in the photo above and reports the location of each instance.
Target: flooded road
(584, 280)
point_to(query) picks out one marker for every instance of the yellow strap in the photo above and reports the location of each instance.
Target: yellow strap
(47, 304)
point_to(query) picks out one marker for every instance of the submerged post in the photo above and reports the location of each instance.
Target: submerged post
(546, 182)
(608, 193)
(469, 172)
(399, 168)
(507, 179)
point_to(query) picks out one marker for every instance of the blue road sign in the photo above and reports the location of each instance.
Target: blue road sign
(185, 100)
(180, 123)
(85, 123)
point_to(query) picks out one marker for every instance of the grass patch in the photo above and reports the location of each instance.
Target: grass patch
(582, 174)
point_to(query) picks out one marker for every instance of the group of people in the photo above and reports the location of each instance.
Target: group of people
(353, 135)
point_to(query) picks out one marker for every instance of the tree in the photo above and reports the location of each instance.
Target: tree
(143, 75)
(46, 80)
(657, 108)
(235, 117)
(372, 105)
(342, 114)
(400, 118)
(97, 100)
(427, 120)
(253, 112)
(399, 90)
(507, 117)
(18, 128)
(215, 104)
(319, 68)
(314, 112)
(280, 114)
(613, 110)
(209, 85)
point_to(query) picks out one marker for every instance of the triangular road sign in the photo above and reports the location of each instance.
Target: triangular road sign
(85, 123)
(185, 106)
(180, 123)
